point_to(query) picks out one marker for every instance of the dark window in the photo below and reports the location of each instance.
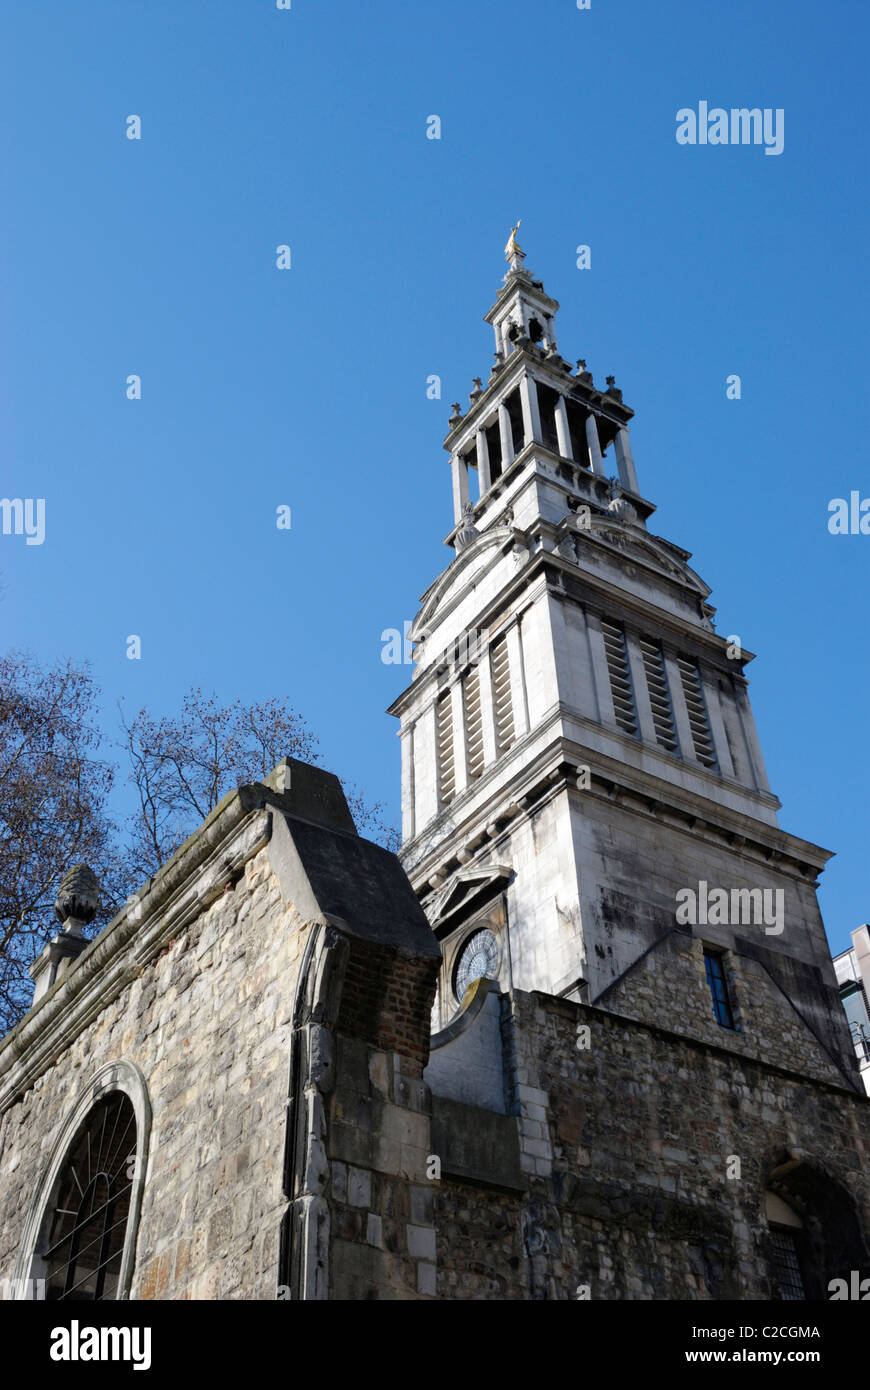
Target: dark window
(785, 1266)
(85, 1242)
(718, 988)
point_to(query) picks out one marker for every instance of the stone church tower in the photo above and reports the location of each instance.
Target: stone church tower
(578, 743)
(587, 819)
(587, 1045)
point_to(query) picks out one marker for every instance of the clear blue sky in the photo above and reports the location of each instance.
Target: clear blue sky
(307, 387)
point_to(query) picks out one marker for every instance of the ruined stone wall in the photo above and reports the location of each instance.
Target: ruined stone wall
(628, 1194)
(281, 1043)
(381, 1200)
(207, 1023)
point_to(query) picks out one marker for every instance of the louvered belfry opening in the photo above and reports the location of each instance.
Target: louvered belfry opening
(446, 760)
(659, 694)
(473, 724)
(84, 1245)
(616, 652)
(501, 694)
(699, 722)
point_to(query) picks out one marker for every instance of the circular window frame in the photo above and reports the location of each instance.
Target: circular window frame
(460, 952)
(123, 1076)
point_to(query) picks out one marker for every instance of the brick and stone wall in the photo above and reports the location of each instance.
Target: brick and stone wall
(626, 1147)
(278, 966)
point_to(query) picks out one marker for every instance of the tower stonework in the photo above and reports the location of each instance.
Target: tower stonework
(588, 823)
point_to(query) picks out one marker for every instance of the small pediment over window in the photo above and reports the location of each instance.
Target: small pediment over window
(469, 889)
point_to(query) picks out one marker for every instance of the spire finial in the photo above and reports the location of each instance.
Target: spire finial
(514, 254)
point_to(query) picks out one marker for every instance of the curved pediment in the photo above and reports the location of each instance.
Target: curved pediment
(462, 571)
(648, 550)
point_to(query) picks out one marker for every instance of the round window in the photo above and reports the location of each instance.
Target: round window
(478, 957)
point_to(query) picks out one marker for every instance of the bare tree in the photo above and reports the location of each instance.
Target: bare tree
(182, 767)
(54, 788)
(53, 792)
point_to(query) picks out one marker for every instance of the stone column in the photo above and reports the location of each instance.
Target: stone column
(596, 462)
(506, 435)
(531, 414)
(516, 666)
(678, 705)
(406, 736)
(600, 671)
(563, 433)
(710, 686)
(483, 461)
(484, 671)
(426, 774)
(624, 461)
(747, 719)
(461, 493)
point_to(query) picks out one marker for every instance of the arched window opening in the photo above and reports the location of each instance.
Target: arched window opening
(814, 1235)
(787, 1276)
(82, 1251)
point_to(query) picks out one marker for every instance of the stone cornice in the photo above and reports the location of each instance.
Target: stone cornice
(189, 882)
(612, 780)
(701, 642)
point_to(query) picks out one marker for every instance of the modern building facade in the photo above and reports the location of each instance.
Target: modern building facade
(852, 969)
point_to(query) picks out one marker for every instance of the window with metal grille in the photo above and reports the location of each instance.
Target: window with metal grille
(85, 1241)
(715, 966)
(786, 1267)
(624, 708)
(659, 694)
(473, 724)
(501, 694)
(696, 709)
(446, 761)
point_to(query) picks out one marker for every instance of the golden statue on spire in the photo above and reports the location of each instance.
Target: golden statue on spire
(513, 247)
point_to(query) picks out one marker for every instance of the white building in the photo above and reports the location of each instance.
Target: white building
(852, 969)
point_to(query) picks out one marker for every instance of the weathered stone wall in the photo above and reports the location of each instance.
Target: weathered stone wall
(631, 867)
(281, 1031)
(381, 1200)
(206, 1022)
(669, 987)
(628, 1193)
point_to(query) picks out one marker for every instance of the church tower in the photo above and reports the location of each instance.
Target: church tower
(583, 791)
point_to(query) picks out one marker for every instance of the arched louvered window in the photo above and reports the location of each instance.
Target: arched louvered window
(621, 688)
(473, 724)
(83, 1247)
(696, 708)
(659, 694)
(501, 694)
(446, 759)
